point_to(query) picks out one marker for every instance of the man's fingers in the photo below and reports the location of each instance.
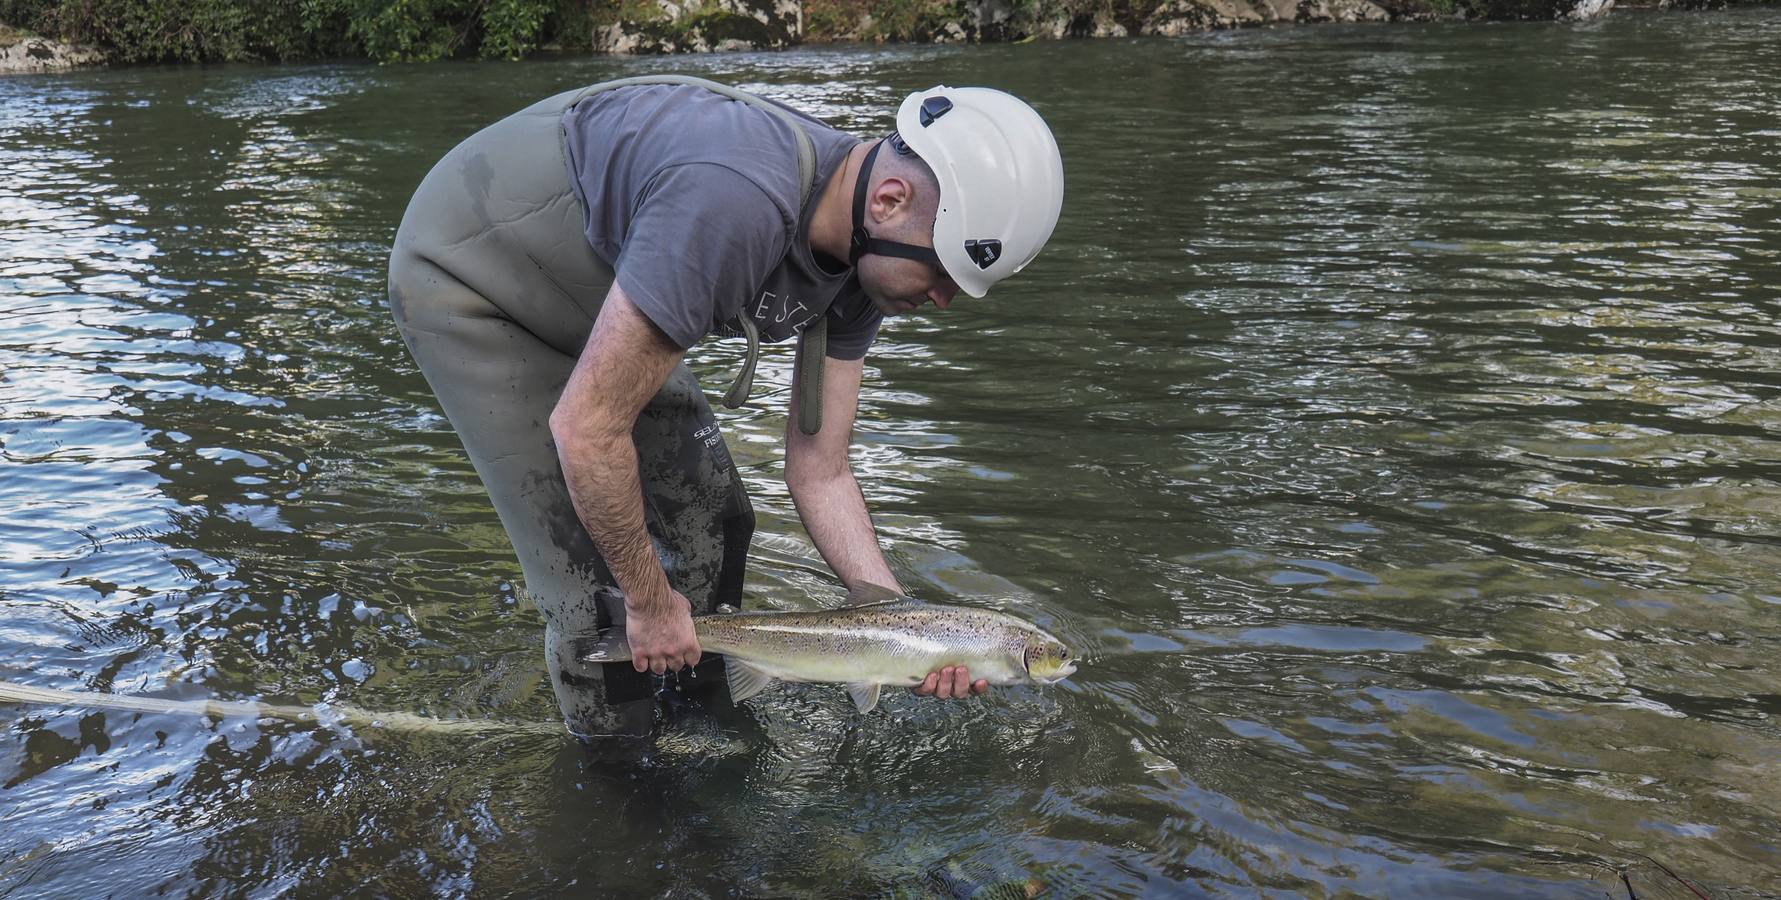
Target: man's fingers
(951, 683)
(948, 683)
(662, 665)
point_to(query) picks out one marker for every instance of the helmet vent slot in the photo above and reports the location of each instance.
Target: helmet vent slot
(933, 108)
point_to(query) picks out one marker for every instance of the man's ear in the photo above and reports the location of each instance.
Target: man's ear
(891, 197)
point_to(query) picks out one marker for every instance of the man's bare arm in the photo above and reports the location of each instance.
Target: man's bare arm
(829, 502)
(624, 364)
(822, 484)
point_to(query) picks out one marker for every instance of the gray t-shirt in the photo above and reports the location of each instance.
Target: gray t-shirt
(692, 198)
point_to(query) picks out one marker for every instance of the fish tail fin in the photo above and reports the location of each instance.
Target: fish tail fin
(610, 646)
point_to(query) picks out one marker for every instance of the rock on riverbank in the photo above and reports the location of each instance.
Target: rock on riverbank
(20, 52)
(676, 26)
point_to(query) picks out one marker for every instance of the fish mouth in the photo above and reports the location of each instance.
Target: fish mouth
(1062, 673)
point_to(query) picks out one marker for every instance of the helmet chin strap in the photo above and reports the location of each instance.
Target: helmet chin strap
(863, 243)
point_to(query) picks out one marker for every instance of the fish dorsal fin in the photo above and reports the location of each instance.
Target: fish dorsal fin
(868, 594)
(745, 680)
(865, 696)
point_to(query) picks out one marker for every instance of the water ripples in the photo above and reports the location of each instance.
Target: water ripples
(1392, 424)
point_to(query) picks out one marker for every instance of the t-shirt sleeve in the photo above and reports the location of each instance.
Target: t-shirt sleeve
(702, 237)
(853, 324)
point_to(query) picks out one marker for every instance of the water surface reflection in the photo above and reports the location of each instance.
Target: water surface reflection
(1393, 421)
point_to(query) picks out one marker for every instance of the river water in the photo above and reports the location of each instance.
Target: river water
(1394, 422)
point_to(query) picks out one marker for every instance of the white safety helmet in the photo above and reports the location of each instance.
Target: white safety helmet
(1001, 179)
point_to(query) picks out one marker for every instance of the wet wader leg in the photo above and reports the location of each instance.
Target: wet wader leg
(695, 506)
(498, 384)
(495, 294)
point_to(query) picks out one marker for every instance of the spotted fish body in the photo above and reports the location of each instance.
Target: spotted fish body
(899, 644)
(893, 642)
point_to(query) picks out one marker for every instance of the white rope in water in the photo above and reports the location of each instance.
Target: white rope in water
(320, 714)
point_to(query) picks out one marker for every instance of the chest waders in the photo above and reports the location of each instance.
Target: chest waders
(495, 290)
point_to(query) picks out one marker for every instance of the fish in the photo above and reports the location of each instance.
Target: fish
(321, 714)
(880, 638)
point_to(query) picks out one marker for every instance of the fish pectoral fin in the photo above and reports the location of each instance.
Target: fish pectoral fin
(868, 594)
(745, 680)
(865, 696)
(611, 645)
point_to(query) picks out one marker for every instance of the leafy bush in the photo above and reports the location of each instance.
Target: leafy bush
(228, 30)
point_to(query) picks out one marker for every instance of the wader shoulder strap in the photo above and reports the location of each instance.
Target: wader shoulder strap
(813, 348)
(815, 336)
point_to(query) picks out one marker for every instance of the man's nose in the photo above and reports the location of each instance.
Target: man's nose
(943, 294)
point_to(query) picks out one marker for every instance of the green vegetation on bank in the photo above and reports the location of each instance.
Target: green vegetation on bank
(227, 31)
(418, 30)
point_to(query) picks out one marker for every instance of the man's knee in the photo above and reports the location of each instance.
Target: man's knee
(589, 718)
(401, 285)
(417, 290)
(581, 693)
